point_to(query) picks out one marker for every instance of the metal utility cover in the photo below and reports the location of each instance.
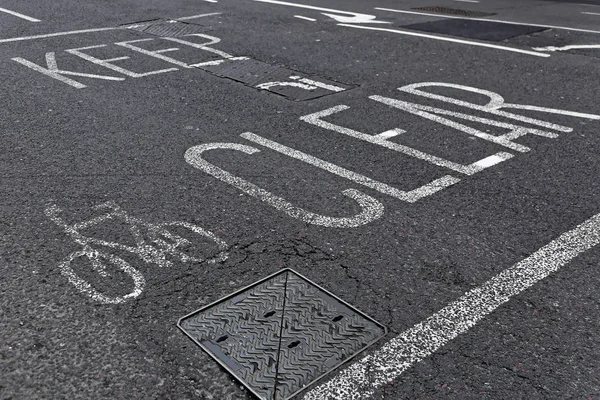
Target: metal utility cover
(454, 11)
(254, 73)
(165, 27)
(481, 30)
(281, 334)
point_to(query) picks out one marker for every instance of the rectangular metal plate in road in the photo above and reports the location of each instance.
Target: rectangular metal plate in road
(281, 334)
(481, 30)
(280, 80)
(165, 27)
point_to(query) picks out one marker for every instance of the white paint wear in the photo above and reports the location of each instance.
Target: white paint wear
(567, 48)
(361, 379)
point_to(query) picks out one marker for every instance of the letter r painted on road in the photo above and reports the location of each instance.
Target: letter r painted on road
(371, 209)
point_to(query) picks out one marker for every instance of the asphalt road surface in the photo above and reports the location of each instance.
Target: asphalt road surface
(433, 168)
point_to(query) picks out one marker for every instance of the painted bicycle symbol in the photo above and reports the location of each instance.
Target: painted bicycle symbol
(153, 244)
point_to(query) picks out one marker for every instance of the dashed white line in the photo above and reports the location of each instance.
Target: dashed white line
(468, 1)
(16, 14)
(360, 380)
(306, 18)
(487, 20)
(448, 39)
(589, 13)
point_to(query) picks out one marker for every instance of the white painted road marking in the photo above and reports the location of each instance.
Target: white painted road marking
(81, 31)
(316, 119)
(154, 244)
(447, 39)
(468, 1)
(570, 47)
(53, 71)
(590, 13)
(16, 14)
(486, 20)
(371, 209)
(360, 380)
(352, 17)
(411, 196)
(305, 18)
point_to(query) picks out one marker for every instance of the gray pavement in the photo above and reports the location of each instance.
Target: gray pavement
(457, 190)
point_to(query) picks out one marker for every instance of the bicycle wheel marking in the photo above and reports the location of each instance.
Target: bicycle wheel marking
(154, 251)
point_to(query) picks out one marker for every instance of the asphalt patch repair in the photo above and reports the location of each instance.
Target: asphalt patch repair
(281, 334)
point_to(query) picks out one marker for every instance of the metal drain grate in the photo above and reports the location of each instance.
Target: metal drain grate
(165, 27)
(244, 333)
(454, 11)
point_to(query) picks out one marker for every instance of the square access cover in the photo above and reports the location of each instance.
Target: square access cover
(281, 334)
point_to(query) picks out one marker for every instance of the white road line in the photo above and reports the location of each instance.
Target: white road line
(197, 16)
(390, 134)
(468, 1)
(211, 1)
(16, 14)
(570, 47)
(448, 39)
(352, 17)
(415, 344)
(47, 35)
(590, 13)
(77, 32)
(306, 18)
(487, 20)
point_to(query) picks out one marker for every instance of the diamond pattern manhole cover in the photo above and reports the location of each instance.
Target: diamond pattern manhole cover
(454, 11)
(281, 334)
(481, 30)
(165, 27)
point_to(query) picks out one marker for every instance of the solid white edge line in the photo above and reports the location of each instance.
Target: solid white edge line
(47, 35)
(487, 20)
(306, 18)
(448, 39)
(16, 14)
(360, 379)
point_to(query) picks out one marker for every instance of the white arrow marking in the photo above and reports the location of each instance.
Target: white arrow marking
(351, 18)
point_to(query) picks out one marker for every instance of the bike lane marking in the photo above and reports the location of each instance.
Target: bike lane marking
(22, 16)
(361, 379)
